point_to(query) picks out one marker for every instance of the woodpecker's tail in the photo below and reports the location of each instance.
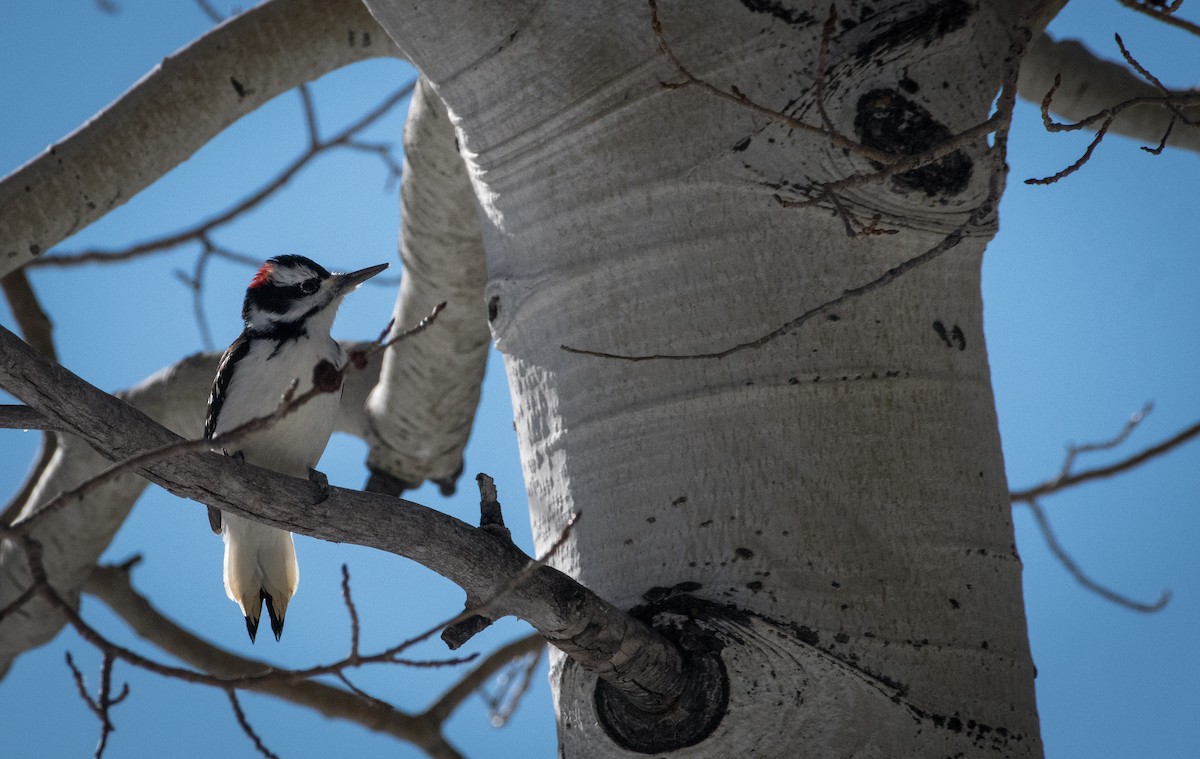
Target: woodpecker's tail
(260, 565)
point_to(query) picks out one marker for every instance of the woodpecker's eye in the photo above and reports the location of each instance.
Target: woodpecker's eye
(309, 286)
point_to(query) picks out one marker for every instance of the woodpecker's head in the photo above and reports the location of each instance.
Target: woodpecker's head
(289, 291)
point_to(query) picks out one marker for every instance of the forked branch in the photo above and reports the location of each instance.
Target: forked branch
(1069, 478)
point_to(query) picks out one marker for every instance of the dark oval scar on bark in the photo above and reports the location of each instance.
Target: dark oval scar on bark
(493, 308)
(703, 703)
(959, 339)
(888, 121)
(952, 338)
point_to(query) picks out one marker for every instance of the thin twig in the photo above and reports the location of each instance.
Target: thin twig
(1163, 13)
(111, 584)
(33, 555)
(1065, 558)
(1172, 101)
(330, 379)
(1131, 424)
(1080, 161)
(735, 95)
(354, 628)
(441, 709)
(310, 117)
(514, 685)
(191, 234)
(246, 728)
(977, 218)
(822, 60)
(207, 9)
(104, 701)
(1141, 457)
(997, 123)
(26, 596)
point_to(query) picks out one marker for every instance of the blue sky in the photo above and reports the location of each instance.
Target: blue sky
(1091, 306)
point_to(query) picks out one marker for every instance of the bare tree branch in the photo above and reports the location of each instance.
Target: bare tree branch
(16, 417)
(421, 412)
(104, 700)
(200, 231)
(1068, 480)
(441, 709)
(1172, 102)
(1080, 576)
(175, 397)
(34, 323)
(244, 723)
(1164, 12)
(38, 331)
(173, 111)
(514, 684)
(112, 586)
(1092, 87)
(641, 664)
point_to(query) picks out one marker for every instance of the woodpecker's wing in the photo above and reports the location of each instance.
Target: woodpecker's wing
(214, 520)
(236, 351)
(225, 369)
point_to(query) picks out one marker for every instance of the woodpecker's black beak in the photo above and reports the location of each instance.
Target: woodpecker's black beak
(347, 282)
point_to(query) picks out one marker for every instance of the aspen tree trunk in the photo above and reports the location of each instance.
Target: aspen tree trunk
(830, 508)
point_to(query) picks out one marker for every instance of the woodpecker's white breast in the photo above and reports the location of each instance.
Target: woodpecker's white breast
(293, 444)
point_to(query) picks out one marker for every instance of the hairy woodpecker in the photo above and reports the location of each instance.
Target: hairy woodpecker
(288, 311)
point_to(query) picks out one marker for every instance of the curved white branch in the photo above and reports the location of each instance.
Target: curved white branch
(173, 111)
(1091, 84)
(420, 414)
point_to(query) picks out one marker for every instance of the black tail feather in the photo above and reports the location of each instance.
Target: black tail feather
(252, 627)
(276, 620)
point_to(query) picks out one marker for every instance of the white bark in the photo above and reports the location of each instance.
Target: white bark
(1091, 84)
(173, 111)
(74, 538)
(421, 412)
(837, 497)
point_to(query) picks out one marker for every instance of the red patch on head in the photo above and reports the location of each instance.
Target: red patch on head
(263, 276)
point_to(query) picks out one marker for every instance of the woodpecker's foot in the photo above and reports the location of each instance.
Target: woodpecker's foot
(238, 456)
(322, 482)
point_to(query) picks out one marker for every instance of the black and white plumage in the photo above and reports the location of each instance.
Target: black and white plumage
(288, 312)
